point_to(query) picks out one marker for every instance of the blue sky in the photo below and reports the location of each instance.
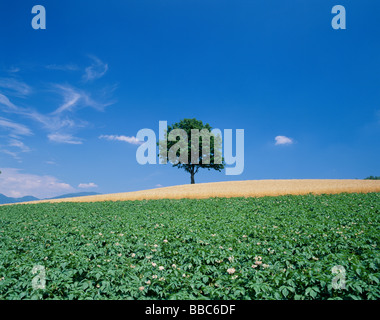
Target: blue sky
(272, 68)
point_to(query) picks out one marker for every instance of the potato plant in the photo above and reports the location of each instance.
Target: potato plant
(282, 247)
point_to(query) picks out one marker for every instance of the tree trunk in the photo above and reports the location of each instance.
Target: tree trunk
(192, 177)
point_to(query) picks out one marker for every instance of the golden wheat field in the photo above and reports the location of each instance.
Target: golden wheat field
(249, 188)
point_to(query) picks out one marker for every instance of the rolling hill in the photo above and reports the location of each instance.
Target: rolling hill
(6, 200)
(228, 189)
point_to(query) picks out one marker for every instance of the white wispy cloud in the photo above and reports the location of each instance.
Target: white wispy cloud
(98, 104)
(14, 146)
(96, 70)
(16, 129)
(64, 138)
(14, 183)
(131, 140)
(62, 67)
(87, 185)
(70, 99)
(13, 69)
(13, 154)
(17, 147)
(15, 87)
(4, 101)
(53, 123)
(18, 144)
(76, 98)
(57, 122)
(61, 123)
(283, 140)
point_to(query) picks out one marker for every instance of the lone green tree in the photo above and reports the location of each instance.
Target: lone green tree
(193, 145)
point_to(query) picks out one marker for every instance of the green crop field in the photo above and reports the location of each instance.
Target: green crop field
(286, 247)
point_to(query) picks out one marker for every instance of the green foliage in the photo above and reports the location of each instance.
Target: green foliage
(214, 144)
(207, 248)
(372, 178)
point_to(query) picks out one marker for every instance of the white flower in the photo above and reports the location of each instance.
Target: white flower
(161, 268)
(231, 270)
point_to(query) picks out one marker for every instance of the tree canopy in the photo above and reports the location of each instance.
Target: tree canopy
(372, 178)
(194, 146)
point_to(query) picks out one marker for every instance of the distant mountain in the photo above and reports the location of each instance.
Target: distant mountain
(74, 195)
(4, 199)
